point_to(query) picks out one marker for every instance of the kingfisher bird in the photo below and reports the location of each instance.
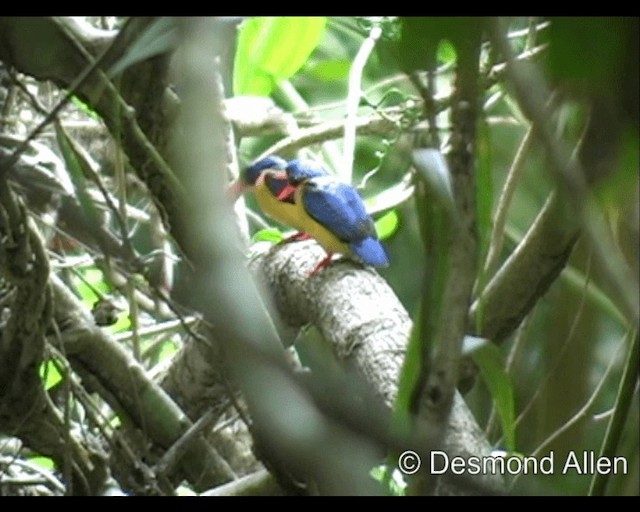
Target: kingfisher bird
(305, 196)
(334, 214)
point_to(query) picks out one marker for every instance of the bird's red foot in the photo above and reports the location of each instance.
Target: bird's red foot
(324, 263)
(296, 238)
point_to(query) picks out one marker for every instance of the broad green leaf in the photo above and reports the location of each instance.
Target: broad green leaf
(387, 225)
(600, 40)
(268, 235)
(489, 361)
(50, 374)
(271, 49)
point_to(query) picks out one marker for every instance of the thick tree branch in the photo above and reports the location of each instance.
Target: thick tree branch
(366, 327)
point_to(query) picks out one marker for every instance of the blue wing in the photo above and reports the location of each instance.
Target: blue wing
(338, 207)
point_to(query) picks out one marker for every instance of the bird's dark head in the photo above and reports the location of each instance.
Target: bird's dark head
(253, 172)
(250, 174)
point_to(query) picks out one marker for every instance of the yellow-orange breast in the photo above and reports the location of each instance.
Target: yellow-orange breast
(281, 211)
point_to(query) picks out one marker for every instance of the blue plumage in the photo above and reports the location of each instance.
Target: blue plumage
(300, 170)
(338, 208)
(371, 251)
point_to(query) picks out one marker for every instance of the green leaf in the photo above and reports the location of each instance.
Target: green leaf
(601, 42)
(268, 235)
(484, 200)
(85, 108)
(433, 169)
(79, 169)
(271, 49)
(489, 360)
(115, 422)
(420, 37)
(43, 462)
(387, 225)
(49, 374)
(446, 52)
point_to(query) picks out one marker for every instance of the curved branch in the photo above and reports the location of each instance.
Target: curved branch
(367, 327)
(526, 275)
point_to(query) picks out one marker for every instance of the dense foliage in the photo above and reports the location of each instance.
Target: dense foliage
(499, 159)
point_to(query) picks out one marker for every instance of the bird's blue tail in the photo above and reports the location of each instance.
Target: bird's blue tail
(371, 252)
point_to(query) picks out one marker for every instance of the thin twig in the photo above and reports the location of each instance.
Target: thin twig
(370, 125)
(506, 196)
(353, 100)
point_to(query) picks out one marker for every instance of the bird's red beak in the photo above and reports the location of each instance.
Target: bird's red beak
(287, 192)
